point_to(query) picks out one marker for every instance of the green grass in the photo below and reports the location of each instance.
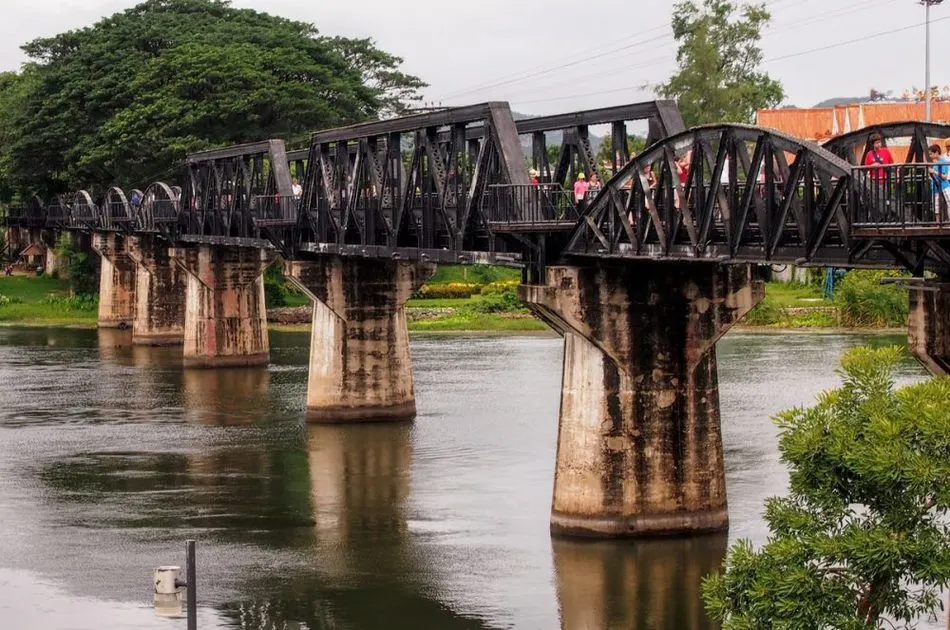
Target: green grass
(442, 302)
(469, 321)
(795, 295)
(30, 303)
(475, 274)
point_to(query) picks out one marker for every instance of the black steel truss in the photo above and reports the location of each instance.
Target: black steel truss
(224, 190)
(853, 146)
(413, 182)
(428, 186)
(749, 195)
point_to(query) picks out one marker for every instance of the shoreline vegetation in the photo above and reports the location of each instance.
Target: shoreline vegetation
(484, 300)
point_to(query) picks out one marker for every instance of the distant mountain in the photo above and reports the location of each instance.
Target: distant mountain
(844, 100)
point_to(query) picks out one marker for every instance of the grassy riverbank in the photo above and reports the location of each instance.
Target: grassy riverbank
(484, 299)
(28, 300)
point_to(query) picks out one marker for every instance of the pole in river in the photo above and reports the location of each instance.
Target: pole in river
(168, 589)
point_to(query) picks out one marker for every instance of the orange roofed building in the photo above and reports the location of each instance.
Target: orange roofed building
(820, 124)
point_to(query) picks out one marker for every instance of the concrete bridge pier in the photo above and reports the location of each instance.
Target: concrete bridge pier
(225, 314)
(928, 331)
(639, 443)
(116, 280)
(159, 294)
(359, 348)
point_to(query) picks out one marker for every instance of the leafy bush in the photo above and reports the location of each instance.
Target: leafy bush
(500, 287)
(79, 302)
(863, 301)
(503, 302)
(276, 287)
(765, 313)
(76, 266)
(450, 290)
(4, 300)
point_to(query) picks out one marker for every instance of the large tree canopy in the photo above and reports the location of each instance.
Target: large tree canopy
(719, 79)
(124, 100)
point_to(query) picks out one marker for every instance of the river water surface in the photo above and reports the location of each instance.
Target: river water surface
(111, 456)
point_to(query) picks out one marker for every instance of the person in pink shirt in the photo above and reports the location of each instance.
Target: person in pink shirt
(580, 190)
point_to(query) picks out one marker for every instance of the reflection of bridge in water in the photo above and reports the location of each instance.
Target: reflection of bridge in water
(641, 279)
(326, 516)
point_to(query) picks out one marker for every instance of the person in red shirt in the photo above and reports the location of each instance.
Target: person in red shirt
(878, 154)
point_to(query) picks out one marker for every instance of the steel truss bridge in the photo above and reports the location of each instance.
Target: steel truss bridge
(453, 187)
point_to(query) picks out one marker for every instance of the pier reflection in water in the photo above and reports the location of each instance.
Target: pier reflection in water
(635, 585)
(111, 455)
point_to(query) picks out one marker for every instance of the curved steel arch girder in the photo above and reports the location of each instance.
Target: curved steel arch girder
(750, 194)
(846, 146)
(160, 209)
(115, 211)
(85, 212)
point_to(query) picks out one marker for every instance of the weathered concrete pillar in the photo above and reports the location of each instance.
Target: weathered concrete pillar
(359, 345)
(225, 315)
(116, 281)
(928, 330)
(159, 294)
(639, 446)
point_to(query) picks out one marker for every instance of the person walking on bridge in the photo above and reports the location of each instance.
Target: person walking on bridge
(580, 191)
(940, 175)
(879, 155)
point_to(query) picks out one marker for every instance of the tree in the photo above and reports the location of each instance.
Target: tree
(718, 79)
(14, 87)
(862, 536)
(124, 100)
(605, 154)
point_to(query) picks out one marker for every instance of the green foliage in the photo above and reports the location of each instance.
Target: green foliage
(77, 267)
(863, 534)
(605, 154)
(277, 289)
(500, 287)
(475, 274)
(718, 79)
(7, 300)
(503, 301)
(449, 290)
(124, 100)
(80, 302)
(863, 301)
(765, 313)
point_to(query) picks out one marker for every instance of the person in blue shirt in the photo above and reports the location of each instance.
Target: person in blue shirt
(940, 176)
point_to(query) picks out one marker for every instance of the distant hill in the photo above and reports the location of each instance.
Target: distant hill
(843, 100)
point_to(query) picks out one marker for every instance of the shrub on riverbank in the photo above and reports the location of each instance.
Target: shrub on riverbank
(863, 302)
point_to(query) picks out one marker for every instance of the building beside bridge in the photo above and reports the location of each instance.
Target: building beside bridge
(820, 124)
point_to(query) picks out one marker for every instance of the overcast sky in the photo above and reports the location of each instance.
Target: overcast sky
(548, 56)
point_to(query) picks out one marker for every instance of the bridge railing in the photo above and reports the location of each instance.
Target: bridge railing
(531, 204)
(901, 196)
(274, 210)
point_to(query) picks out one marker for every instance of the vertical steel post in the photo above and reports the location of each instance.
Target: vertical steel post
(192, 593)
(927, 59)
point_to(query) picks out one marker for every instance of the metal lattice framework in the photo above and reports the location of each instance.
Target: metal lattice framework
(453, 186)
(576, 153)
(749, 194)
(225, 188)
(914, 135)
(413, 183)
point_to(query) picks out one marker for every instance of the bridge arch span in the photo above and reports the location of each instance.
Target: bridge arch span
(85, 212)
(853, 146)
(115, 211)
(161, 207)
(722, 193)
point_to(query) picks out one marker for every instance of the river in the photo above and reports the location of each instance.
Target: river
(111, 456)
